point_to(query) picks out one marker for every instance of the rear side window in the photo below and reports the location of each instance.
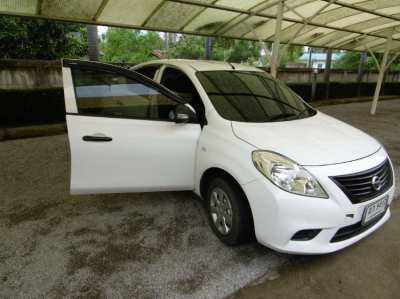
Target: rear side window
(102, 93)
(148, 71)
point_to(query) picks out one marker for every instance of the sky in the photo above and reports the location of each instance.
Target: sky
(101, 30)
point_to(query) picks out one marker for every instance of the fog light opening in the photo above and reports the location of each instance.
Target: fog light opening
(306, 234)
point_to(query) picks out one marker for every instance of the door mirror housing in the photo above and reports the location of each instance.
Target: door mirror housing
(183, 113)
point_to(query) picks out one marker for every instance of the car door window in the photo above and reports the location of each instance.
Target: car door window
(148, 71)
(107, 94)
(181, 84)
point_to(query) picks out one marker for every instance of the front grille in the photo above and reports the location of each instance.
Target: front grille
(359, 187)
(353, 230)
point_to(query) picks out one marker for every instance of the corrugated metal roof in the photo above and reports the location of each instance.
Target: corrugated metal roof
(341, 24)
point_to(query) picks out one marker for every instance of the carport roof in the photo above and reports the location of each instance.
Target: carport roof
(341, 24)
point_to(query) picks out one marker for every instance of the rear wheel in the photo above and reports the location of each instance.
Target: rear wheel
(228, 212)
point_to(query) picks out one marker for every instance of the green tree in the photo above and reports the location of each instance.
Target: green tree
(193, 47)
(291, 55)
(188, 47)
(351, 60)
(129, 46)
(40, 39)
(242, 51)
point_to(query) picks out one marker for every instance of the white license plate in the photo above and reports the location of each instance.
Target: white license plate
(374, 209)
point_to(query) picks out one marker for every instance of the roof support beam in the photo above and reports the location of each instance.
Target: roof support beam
(277, 41)
(305, 20)
(382, 70)
(39, 7)
(195, 16)
(364, 10)
(161, 4)
(269, 16)
(100, 10)
(255, 9)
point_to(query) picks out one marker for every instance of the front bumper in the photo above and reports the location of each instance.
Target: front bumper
(278, 215)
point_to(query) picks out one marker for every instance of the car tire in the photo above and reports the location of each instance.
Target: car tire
(225, 198)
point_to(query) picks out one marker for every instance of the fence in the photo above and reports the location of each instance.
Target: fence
(31, 90)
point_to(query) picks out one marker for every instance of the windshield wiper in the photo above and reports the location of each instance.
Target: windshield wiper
(282, 116)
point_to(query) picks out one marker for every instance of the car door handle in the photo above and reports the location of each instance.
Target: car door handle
(97, 138)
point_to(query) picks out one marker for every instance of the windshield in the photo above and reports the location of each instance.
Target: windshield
(252, 97)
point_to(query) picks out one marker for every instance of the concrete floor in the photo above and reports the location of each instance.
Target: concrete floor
(158, 244)
(369, 269)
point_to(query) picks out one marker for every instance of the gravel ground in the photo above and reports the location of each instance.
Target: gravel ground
(127, 245)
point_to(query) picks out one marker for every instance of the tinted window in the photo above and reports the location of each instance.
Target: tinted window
(148, 71)
(252, 97)
(181, 84)
(178, 82)
(109, 94)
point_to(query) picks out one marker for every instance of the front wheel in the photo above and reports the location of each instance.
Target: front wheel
(228, 212)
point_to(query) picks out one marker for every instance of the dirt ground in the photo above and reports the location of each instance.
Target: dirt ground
(142, 245)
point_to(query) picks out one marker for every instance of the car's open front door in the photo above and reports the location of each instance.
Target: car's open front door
(120, 134)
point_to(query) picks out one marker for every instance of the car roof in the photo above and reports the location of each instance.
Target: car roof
(202, 65)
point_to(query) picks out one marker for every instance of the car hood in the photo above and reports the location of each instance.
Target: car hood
(316, 140)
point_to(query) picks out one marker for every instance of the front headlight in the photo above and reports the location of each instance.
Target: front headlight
(287, 174)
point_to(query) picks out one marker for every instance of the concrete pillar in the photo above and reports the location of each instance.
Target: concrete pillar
(208, 48)
(309, 64)
(327, 72)
(93, 42)
(360, 74)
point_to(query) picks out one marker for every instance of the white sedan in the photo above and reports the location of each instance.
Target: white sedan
(266, 163)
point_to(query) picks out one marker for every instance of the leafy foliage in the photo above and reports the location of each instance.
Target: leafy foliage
(188, 47)
(351, 60)
(41, 39)
(129, 46)
(291, 55)
(192, 47)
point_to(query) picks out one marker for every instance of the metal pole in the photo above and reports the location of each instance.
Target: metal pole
(381, 75)
(275, 47)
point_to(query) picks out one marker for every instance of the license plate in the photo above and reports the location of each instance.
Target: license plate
(375, 209)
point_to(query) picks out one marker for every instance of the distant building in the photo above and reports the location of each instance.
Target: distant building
(318, 60)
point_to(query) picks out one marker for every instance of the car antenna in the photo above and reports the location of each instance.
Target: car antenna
(232, 66)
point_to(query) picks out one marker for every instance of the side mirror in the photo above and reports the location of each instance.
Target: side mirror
(182, 113)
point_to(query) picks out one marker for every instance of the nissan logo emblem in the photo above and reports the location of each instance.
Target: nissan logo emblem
(377, 183)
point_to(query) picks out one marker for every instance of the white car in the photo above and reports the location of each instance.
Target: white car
(265, 162)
